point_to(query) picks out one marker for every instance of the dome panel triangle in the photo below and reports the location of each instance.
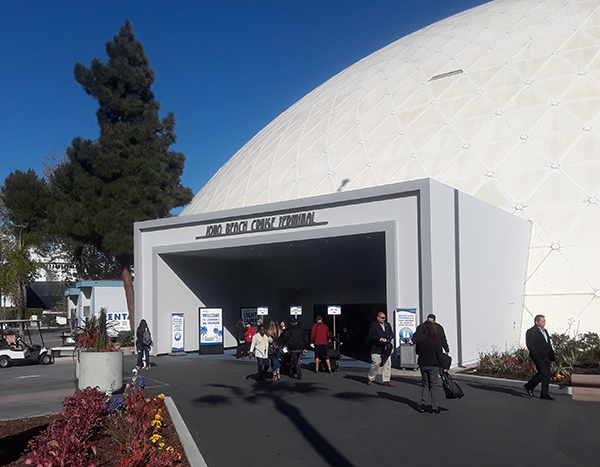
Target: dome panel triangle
(256, 197)
(463, 163)
(355, 158)
(349, 140)
(555, 189)
(410, 171)
(556, 276)
(313, 166)
(560, 310)
(584, 150)
(586, 260)
(497, 130)
(556, 220)
(537, 256)
(585, 231)
(365, 179)
(538, 238)
(397, 150)
(388, 129)
(385, 170)
(375, 109)
(585, 176)
(589, 318)
(444, 142)
(283, 173)
(324, 186)
(524, 157)
(465, 184)
(492, 193)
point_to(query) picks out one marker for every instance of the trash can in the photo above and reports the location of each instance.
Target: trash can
(406, 356)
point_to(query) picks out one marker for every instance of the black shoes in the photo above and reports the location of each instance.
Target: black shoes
(435, 411)
(422, 409)
(528, 391)
(547, 397)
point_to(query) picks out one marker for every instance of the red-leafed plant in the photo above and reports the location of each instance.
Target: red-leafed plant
(134, 422)
(66, 441)
(92, 336)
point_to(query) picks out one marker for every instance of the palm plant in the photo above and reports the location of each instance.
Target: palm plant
(19, 268)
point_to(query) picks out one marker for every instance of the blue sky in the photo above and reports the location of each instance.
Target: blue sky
(225, 68)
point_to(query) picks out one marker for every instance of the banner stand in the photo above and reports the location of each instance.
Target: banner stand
(211, 331)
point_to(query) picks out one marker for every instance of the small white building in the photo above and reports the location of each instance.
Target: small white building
(88, 298)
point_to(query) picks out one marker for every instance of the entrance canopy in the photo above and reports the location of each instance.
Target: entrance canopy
(416, 245)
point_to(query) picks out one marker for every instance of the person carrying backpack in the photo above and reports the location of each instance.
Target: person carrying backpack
(143, 344)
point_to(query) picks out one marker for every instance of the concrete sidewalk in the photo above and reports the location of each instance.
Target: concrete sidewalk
(337, 420)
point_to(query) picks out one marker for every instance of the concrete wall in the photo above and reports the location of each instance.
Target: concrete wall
(436, 250)
(494, 248)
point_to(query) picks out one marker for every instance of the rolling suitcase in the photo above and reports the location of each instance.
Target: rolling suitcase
(451, 387)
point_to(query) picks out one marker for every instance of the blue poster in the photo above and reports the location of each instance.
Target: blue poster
(406, 324)
(211, 326)
(177, 332)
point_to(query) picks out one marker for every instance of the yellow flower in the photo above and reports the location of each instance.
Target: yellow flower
(161, 445)
(170, 449)
(161, 396)
(156, 423)
(155, 438)
(158, 417)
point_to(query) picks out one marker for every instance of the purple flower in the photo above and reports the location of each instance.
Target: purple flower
(115, 406)
(142, 382)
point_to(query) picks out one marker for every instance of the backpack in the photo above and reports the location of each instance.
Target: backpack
(147, 339)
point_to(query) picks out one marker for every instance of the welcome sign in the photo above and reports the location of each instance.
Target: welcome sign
(211, 326)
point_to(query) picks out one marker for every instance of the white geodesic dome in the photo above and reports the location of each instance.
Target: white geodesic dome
(501, 102)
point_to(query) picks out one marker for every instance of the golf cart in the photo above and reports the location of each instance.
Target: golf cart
(18, 349)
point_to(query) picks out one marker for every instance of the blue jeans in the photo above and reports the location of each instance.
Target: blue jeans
(263, 366)
(276, 361)
(296, 354)
(143, 351)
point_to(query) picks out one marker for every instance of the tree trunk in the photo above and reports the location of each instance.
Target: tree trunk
(127, 278)
(22, 307)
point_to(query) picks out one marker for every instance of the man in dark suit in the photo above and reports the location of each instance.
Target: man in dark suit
(440, 332)
(380, 339)
(541, 353)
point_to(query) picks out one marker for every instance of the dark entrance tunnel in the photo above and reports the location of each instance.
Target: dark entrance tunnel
(344, 270)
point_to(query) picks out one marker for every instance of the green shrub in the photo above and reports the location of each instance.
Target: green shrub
(125, 338)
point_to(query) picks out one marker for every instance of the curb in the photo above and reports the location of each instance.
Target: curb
(510, 383)
(189, 446)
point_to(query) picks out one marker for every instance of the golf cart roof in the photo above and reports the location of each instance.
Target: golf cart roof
(18, 321)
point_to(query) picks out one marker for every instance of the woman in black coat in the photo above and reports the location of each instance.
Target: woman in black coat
(429, 350)
(143, 344)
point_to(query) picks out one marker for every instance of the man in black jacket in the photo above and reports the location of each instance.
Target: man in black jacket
(440, 332)
(381, 347)
(293, 339)
(541, 353)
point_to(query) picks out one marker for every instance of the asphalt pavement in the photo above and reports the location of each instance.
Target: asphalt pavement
(336, 419)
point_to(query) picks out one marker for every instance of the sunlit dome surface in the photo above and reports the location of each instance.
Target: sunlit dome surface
(501, 102)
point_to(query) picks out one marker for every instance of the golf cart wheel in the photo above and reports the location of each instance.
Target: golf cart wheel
(4, 362)
(46, 359)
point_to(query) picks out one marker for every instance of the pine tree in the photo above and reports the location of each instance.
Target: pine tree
(128, 174)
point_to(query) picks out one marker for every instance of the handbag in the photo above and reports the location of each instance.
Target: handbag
(445, 361)
(451, 387)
